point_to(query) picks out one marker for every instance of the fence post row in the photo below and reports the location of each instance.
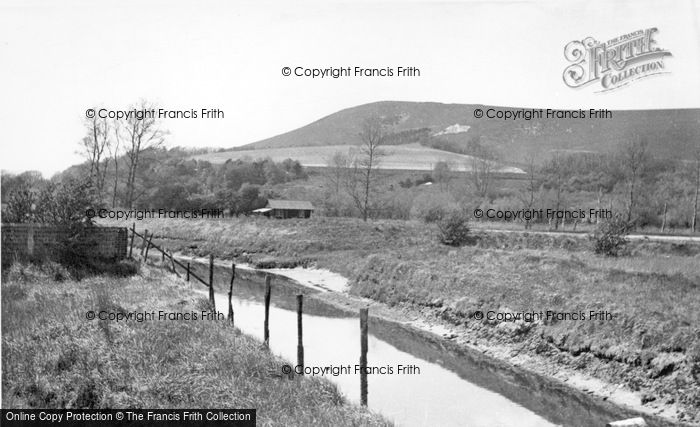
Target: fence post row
(147, 243)
(133, 236)
(211, 280)
(148, 246)
(172, 262)
(143, 243)
(300, 343)
(268, 290)
(364, 312)
(230, 292)
(363, 356)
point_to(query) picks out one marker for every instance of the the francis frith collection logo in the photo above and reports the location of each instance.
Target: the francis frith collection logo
(614, 63)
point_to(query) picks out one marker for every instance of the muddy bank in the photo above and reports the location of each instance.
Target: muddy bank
(536, 372)
(642, 361)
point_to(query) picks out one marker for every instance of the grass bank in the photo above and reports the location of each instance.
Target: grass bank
(650, 346)
(53, 357)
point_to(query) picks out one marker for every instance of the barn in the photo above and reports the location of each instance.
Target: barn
(286, 209)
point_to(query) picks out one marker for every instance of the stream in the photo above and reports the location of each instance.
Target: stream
(448, 386)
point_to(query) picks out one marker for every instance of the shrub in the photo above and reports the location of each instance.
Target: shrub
(609, 237)
(21, 206)
(453, 229)
(433, 206)
(433, 214)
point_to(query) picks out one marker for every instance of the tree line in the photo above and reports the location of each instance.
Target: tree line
(127, 165)
(645, 190)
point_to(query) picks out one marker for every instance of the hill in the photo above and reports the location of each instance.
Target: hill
(671, 133)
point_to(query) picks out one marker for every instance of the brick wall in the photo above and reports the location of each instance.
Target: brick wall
(40, 241)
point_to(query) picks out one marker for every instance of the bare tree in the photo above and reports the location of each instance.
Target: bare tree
(697, 190)
(94, 144)
(114, 152)
(559, 187)
(139, 136)
(555, 175)
(529, 193)
(337, 168)
(441, 174)
(360, 184)
(634, 159)
(481, 175)
(482, 165)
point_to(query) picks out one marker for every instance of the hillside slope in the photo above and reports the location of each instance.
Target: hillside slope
(670, 133)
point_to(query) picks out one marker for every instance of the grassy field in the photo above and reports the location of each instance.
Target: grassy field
(652, 345)
(54, 358)
(582, 227)
(402, 157)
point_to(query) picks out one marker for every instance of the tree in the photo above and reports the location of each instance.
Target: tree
(94, 145)
(273, 173)
(337, 168)
(139, 136)
(10, 182)
(65, 203)
(360, 185)
(21, 205)
(441, 174)
(555, 172)
(293, 169)
(694, 222)
(248, 199)
(527, 196)
(482, 166)
(453, 229)
(114, 154)
(634, 158)
(171, 195)
(609, 237)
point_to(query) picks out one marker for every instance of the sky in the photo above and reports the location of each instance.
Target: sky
(58, 59)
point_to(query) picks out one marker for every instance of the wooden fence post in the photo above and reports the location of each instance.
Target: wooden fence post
(148, 246)
(300, 344)
(211, 280)
(172, 262)
(230, 293)
(663, 223)
(133, 236)
(162, 257)
(143, 244)
(363, 356)
(268, 290)
(188, 271)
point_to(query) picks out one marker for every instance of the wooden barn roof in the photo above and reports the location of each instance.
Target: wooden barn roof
(290, 204)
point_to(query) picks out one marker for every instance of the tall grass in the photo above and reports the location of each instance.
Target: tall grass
(53, 357)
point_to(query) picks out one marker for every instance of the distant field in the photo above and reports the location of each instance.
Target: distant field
(398, 157)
